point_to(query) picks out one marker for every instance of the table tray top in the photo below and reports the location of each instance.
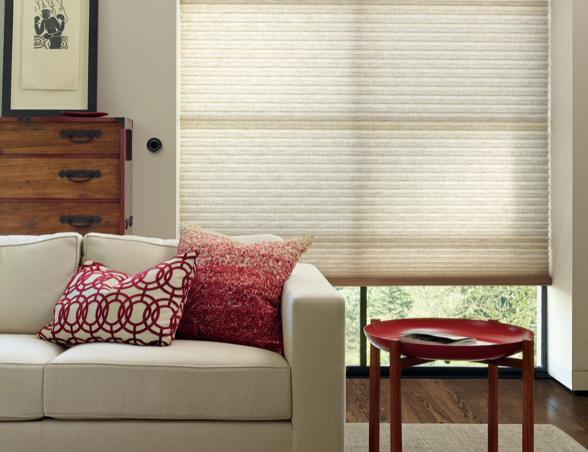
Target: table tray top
(496, 340)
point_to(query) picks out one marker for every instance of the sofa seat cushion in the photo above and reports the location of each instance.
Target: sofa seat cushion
(22, 360)
(188, 380)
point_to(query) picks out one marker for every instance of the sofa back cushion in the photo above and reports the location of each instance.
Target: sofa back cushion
(131, 254)
(34, 272)
(127, 254)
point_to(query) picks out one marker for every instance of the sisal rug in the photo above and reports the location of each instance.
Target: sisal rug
(460, 438)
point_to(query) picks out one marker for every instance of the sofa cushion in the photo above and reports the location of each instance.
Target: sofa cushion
(131, 254)
(34, 272)
(22, 359)
(102, 305)
(237, 288)
(188, 380)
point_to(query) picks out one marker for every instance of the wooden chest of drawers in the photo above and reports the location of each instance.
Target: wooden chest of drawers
(65, 174)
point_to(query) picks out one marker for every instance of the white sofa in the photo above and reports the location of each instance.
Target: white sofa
(192, 396)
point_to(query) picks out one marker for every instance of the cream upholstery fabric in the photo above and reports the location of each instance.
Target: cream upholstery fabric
(132, 255)
(313, 315)
(22, 358)
(145, 436)
(34, 272)
(188, 380)
(203, 386)
(127, 254)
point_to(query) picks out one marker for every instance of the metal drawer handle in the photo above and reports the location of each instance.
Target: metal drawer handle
(80, 176)
(80, 221)
(80, 136)
(129, 223)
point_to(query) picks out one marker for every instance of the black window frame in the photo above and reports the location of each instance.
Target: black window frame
(363, 370)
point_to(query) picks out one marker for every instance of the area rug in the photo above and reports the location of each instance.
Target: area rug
(460, 438)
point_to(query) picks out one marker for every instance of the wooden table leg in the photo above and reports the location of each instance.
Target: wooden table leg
(492, 408)
(395, 397)
(528, 395)
(374, 419)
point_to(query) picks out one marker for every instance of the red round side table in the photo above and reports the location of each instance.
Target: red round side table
(496, 342)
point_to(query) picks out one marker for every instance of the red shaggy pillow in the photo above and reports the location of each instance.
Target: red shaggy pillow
(101, 305)
(237, 289)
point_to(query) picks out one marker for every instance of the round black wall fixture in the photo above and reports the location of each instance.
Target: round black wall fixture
(154, 145)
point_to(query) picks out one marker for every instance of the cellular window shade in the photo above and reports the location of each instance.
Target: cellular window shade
(411, 138)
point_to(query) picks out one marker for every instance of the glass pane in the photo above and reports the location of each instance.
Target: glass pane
(352, 327)
(514, 305)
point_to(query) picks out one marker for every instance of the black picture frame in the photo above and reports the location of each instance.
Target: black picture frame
(7, 74)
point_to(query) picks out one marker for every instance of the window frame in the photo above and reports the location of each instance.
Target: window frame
(363, 370)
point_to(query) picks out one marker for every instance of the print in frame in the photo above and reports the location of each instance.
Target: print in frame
(50, 57)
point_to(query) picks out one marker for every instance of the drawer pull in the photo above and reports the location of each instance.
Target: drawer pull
(80, 221)
(80, 136)
(80, 176)
(129, 223)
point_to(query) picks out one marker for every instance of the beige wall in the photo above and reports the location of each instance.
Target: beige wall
(137, 78)
(580, 199)
(567, 298)
(559, 296)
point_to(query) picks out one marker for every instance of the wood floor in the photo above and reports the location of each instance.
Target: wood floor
(465, 402)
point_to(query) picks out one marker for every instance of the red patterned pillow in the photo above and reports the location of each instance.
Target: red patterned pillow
(101, 305)
(237, 290)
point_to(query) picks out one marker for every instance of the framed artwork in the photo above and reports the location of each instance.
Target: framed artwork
(50, 57)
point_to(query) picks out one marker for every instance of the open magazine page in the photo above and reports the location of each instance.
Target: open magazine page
(432, 337)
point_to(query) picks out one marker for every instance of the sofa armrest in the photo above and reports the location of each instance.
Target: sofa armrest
(313, 317)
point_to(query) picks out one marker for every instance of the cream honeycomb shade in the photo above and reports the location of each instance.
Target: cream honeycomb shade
(410, 137)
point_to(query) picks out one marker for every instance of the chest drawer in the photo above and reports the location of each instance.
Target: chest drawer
(51, 218)
(59, 178)
(45, 138)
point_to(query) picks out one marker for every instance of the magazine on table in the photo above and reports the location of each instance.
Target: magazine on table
(434, 337)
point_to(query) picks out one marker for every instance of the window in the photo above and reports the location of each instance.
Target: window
(410, 138)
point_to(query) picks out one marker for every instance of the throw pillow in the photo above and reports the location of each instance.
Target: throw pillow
(237, 290)
(102, 305)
